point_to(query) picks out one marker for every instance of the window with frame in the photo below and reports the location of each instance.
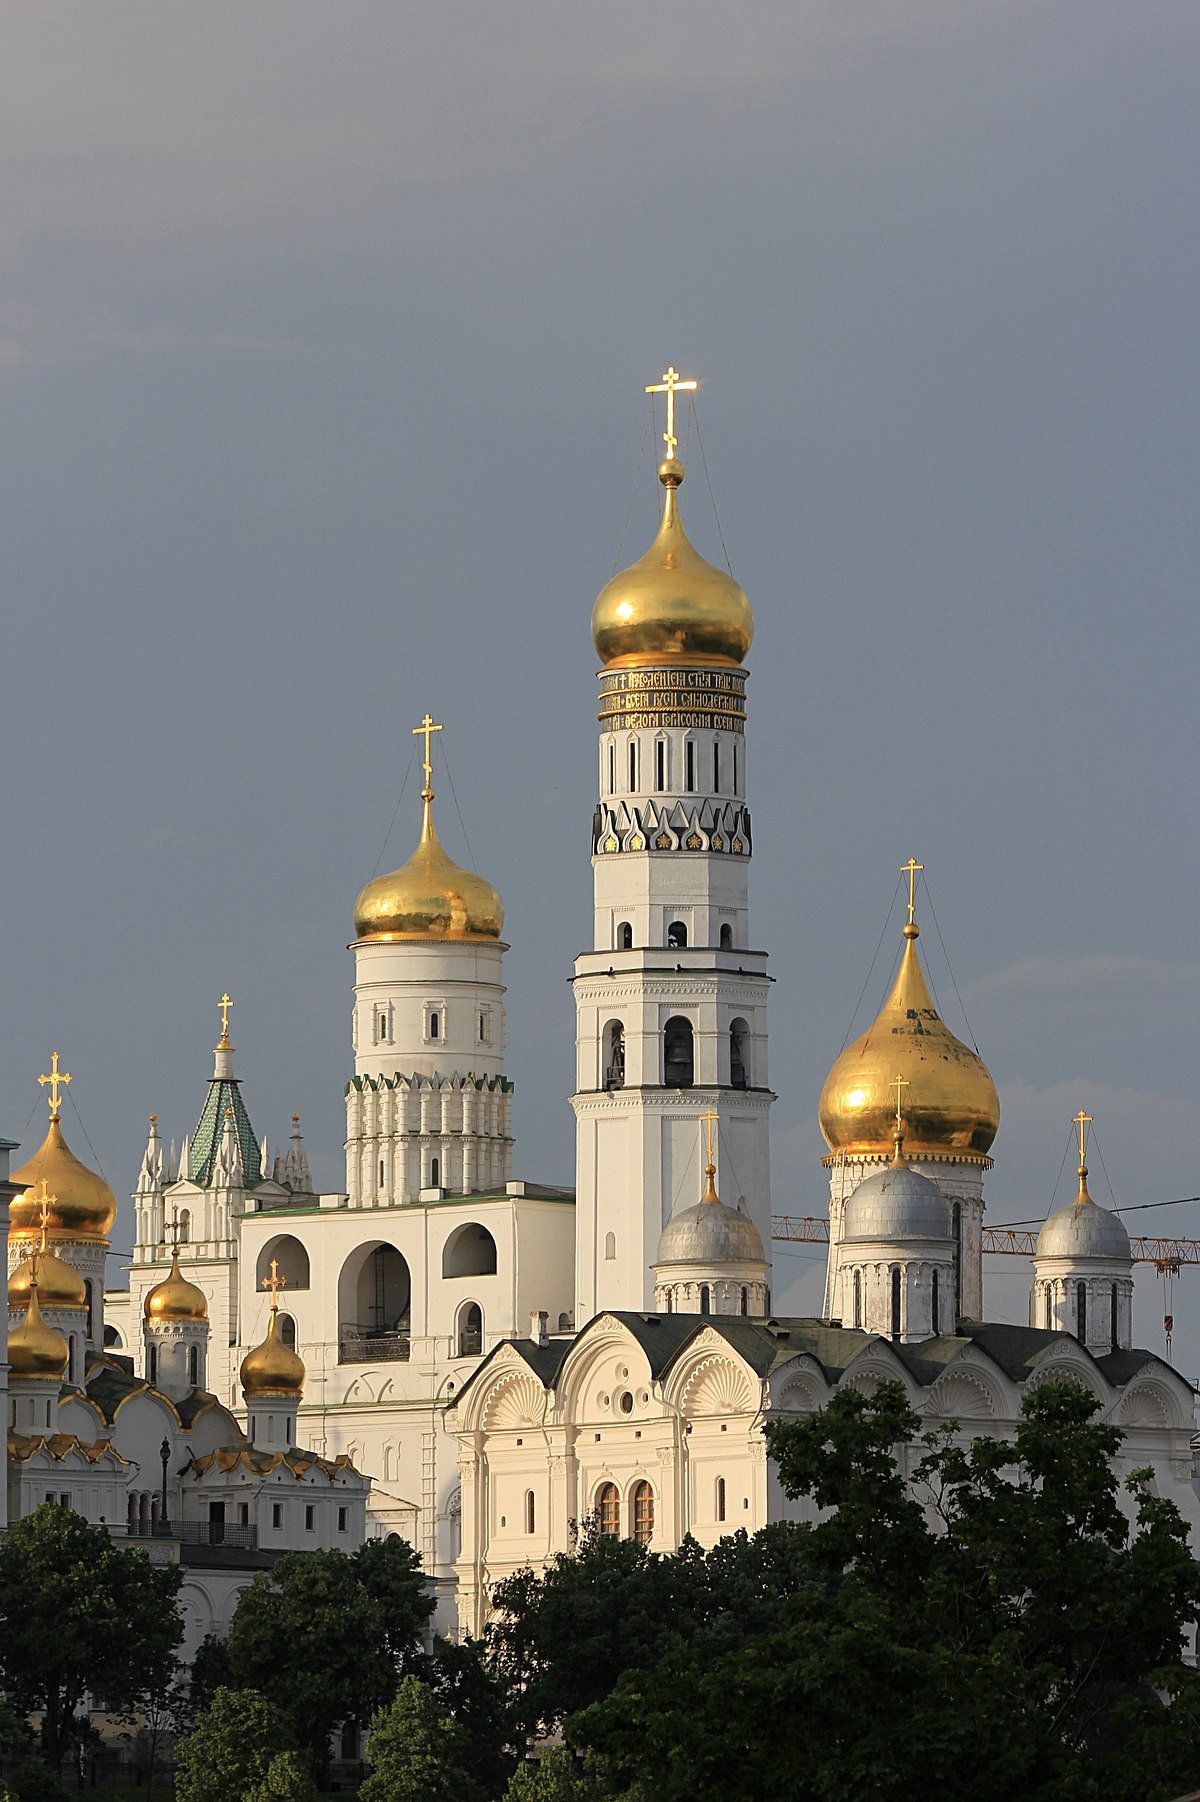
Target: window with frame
(608, 1508)
(277, 1515)
(310, 1517)
(641, 1513)
(343, 1519)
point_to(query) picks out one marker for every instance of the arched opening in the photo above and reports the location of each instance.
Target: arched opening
(564, 1323)
(716, 766)
(608, 1508)
(857, 1317)
(112, 1338)
(94, 1325)
(1081, 1312)
(291, 1259)
(435, 1024)
(720, 1509)
(632, 765)
(727, 937)
(287, 1331)
(1046, 1309)
(705, 1299)
(193, 1365)
(612, 768)
(374, 1293)
(435, 1173)
(677, 936)
(185, 1225)
(739, 1054)
(469, 1335)
(745, 1300)
(530, 1511)
(956, 1218)
(933, 1303)
(469, 1251)
(624, 936)
(610, 1246)
(152, 1366)
(896, 1303)
(679, 1053)
(660, 764)
(689, 765)
(614, 1055)
(641, 1513)
(132, 1511)
(1112, 1318)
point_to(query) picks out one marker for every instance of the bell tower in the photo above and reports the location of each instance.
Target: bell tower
(671, 1002)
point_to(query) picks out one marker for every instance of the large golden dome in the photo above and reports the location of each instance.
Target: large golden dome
(175, 1298)
(431, 897)
(950, 1105)
(82, 1204)
(671, 606)
(35, 1349)
(272, 1368)
(59, 1284)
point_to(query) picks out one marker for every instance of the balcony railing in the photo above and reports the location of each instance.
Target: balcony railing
(196, 1532)
(374, 1348)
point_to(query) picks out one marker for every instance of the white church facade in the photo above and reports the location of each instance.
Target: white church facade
(475, 1362)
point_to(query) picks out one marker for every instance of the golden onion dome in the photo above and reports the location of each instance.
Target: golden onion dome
(951, 1108)
(82, 1204)
(671, 606)
(59, 1284)
(35, 1349)
(272, 1368)
(175, 1298)
(431, 897)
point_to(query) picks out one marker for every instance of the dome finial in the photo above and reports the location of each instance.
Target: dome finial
(898, 1158)
(670, 471)
(1082, 1121)
(426, 730)
(57, 1080)
(910, 869)
(223, 1007)
(710, 1169)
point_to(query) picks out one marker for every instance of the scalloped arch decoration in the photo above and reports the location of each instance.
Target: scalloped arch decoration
(516, 1402)
(716, 1386)
(1069, 1373)
(1146, 1405)
(797, 1396)
(962, 1396)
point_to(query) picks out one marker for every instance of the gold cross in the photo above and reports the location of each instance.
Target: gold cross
(1082, 1121)
(709, 1117)
(57, 1079)
(910, 870)
(902, 1083)
(223, 1007)
(426, 730)
(173, 1228)
(274, 1283)
(44, 1200)
(670, 384)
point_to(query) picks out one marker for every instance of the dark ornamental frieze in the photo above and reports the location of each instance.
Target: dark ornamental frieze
(721, 826)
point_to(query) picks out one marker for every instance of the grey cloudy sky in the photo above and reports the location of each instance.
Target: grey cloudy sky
(323, 336)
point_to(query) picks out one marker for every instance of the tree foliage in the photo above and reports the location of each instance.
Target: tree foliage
(80, 1615)
(231, 1751)
(557, 1776)
(418, 1752)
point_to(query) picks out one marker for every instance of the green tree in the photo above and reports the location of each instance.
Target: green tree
(212, 1669)
(80, 1615)
(557, 1776)
(287, 1780)
(418, 1752)
(462, 1681)
(231, 1749)
(390, 1572)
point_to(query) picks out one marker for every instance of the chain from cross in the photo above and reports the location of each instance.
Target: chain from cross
(426, 731)
(57, 1080)
(671, 385)
(274, 1283)
(709, 1117)
(902, 1083)
(223, 1007)
(1082, 1121)
(911, 870)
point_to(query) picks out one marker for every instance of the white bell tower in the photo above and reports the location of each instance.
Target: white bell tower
(671, 1002)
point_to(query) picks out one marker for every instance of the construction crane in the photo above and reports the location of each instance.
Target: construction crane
(1167, 1255)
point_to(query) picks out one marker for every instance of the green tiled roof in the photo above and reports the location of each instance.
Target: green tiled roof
(224, 1094)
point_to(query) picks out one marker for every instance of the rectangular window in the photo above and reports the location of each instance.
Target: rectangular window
(310, 1518)
(716, 767)
(342, 1518)
(64, 1500)
(660, 764)
(277, 1516)
(243, 1514)
(690, 766)
(612, 769)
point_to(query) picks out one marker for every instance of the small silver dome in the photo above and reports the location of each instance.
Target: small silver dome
(897, 1203)
(1083, 1230)
(710, 1233)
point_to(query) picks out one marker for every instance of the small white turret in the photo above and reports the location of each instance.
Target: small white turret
(1083, 1270)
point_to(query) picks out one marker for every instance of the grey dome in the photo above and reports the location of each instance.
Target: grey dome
(1083, 1230)
(897, 1203)
(710, 1233)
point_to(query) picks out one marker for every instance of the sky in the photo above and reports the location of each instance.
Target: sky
(322, 352)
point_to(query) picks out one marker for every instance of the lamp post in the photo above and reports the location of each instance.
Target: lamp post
(164, 1452)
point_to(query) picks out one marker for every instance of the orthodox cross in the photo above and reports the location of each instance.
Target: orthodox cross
(44, 1200)
(902, 1083)
(426, 730)
(223, 1007)
(57, 1079)
(910, 869)
(1082, 1121)
(710, 1116)
(173, 1228)
(670, 385)
(274, 1283)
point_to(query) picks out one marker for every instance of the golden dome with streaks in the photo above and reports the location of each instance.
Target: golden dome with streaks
(84, 1207)
(950, 1105)
(671, 606)
(272, 1368)
(59, 1284)
(35, 1349)
(175, 1298)
(431, 897)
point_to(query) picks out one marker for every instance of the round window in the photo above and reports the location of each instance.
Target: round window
(626, 1403)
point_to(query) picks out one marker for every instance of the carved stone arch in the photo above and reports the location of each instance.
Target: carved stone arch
(874, 1366)
(1064, 1370)
(963, 1395)
(797, 1395)
(359, 1391)
(716, 1385)
(516, 1400)
(1148, 1404)
(599, 1343)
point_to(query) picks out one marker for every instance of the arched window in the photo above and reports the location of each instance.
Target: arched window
(185, 1225)
(727, 937)
(720, 1498)
(610, 1245)
(896, 1303)
(739, 1055)
(193, 1365)
(670, 1301)
(1046, 1310)
(956, 1216)
(858, 1298)
(530, 1511)
(933, 1302)
(608, 1508)
(470, 1330)
(614, 1055)
(564, 1323)
(716, 766)
(435, 1024)
(435, 1173)
(1112, 1317)
(632, 765)
(381, 1173)
(735, 768)
(745, 1300)
(1081, 1312)
(374, 1292)
(705, 1299)
(641, 1513)
(677, 935)
(469, 1251)
(660, 764)
(689, 764)
(612, 768)
(679, 1053)
(290, 1256)
(287, 1331)
(624, 936)
(152, 1366)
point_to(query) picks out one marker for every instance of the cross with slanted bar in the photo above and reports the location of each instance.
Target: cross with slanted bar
(57, 1080)
(426, 730)
(671, 384)
(274, 1283)
(1082, 1121)
(223, 1007)
(910, 870)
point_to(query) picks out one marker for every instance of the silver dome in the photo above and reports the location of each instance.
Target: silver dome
(710, 1233)
(897, 1203)
(1083, 1230)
